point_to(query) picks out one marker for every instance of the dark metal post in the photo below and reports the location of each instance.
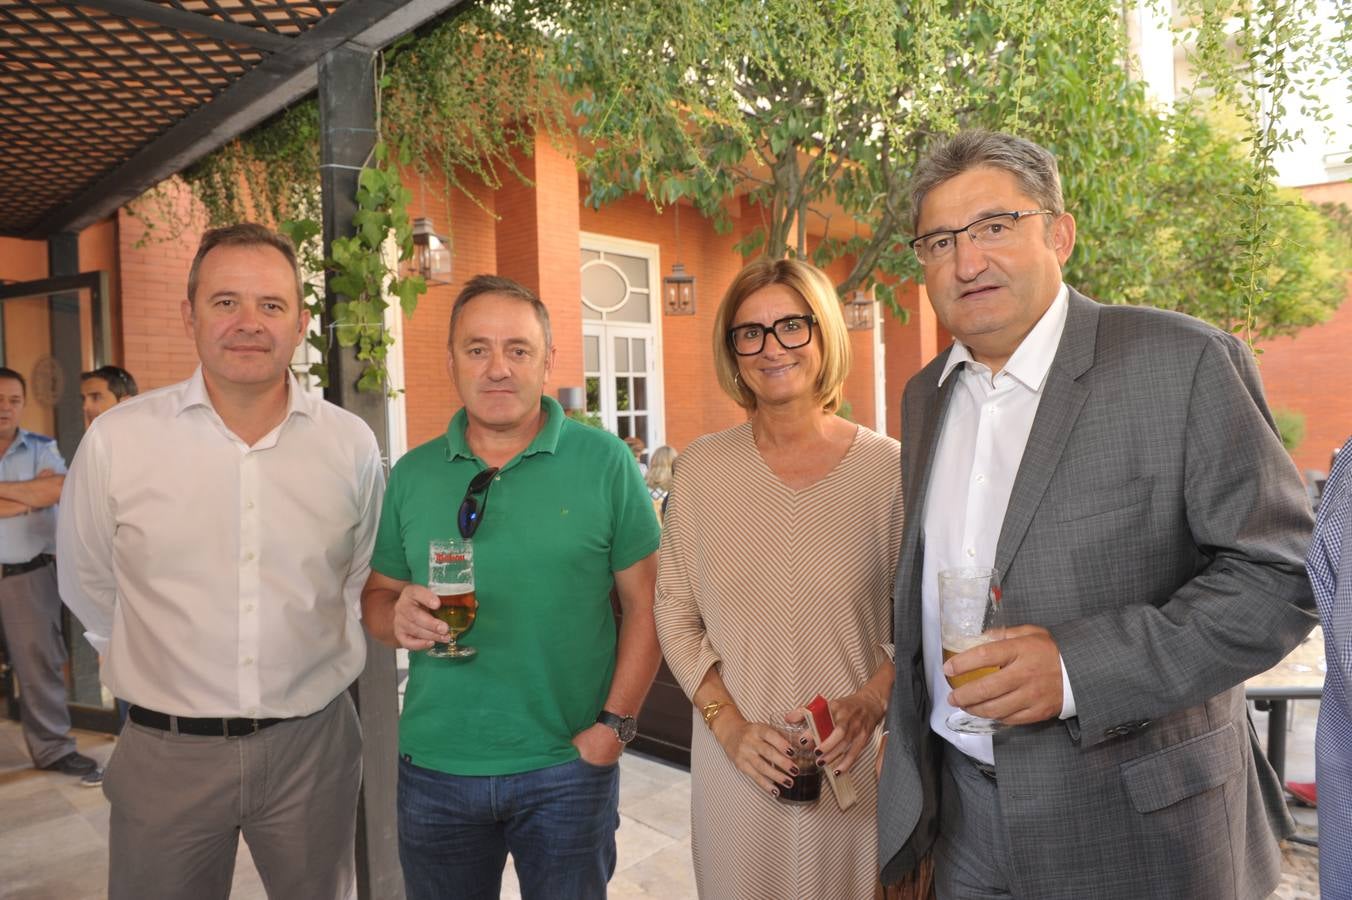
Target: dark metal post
(347, 126)
(63, 258)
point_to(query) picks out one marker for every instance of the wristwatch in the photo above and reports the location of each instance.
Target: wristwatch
(625, 726)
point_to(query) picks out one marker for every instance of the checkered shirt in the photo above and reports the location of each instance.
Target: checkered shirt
(1331, 576)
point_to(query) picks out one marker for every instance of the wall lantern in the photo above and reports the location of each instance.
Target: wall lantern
(859, 310)
(431, 256)
(678, 288)
(678, 292)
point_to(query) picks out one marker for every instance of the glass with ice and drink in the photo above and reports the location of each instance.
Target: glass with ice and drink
(969, 616)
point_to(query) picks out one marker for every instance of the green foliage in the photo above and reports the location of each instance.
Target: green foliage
(586, 418)
(267, 174)
(1290, 426)
(796, 103)
(467, 96)
(359, 274)
(846, 411)
(805, 106)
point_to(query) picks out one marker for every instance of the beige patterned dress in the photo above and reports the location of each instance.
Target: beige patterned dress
(789, 592)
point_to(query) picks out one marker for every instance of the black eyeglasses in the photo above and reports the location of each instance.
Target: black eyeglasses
(470, 510)
(792, 332)
(987, 233)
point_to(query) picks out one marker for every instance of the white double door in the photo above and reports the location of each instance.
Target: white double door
(620, 336)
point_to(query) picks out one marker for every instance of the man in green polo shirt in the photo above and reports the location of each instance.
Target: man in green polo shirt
(516, 749)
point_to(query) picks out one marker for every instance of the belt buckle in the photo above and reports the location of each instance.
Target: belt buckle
(226, 730)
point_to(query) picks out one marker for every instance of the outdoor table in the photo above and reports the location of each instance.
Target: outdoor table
(1300, 676)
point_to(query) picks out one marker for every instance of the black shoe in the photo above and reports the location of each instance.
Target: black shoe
(73, 764)
(93, 779)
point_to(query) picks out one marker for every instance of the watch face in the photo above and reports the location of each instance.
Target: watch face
(627, 728)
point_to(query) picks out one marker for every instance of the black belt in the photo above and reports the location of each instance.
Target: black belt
(37, 562)
(201, 727)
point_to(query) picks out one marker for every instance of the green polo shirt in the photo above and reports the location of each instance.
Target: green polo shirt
(559, 520)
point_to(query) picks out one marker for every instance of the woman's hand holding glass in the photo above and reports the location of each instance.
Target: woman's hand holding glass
(758, 751)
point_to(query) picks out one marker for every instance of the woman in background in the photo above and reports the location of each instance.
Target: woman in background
(659, 477)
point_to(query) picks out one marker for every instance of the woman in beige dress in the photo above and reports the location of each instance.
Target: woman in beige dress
(774, 585)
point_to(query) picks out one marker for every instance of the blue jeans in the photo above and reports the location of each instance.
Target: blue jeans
(558, 823)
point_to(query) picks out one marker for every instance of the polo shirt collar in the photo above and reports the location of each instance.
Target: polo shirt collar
(546, 441)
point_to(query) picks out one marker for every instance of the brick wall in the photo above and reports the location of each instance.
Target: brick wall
(430, 398)
(694, 404)
(909, 346)
(153, 272)
(1310, 372)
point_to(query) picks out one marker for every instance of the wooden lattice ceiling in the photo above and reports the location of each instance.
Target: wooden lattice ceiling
(100, 99)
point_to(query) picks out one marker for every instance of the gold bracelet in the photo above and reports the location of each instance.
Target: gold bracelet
(711, 711)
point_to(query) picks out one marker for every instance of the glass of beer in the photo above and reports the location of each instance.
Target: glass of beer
(969, 616)
(450, 575)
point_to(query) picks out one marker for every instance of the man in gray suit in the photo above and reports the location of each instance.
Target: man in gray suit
(1119, 469)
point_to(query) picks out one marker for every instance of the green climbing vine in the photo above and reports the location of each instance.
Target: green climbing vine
(360, 273)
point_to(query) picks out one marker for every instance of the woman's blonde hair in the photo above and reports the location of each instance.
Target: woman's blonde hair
(817, 291)
(659, 468)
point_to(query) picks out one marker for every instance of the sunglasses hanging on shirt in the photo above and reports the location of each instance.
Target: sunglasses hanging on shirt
(472, 508)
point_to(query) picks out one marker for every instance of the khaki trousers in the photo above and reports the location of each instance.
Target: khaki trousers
(180, 803)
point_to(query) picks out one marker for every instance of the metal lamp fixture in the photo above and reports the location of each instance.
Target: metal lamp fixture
(431, 256)
(678, 292)
(859, 310)
(678, 288)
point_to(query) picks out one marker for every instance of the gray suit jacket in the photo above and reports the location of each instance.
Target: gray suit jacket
(1157, 528)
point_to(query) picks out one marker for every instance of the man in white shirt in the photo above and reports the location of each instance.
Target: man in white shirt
(214, 539)
(1119, 469)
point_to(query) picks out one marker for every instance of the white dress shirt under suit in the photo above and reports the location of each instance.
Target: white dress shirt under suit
(221, 579)
(982, 444)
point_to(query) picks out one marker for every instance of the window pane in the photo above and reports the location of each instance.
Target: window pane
(638, 351)
(589, 255)
(640, 392)
(593, 394)
(591, 353)
(621, 354)
(589, 313)
(637, 309)
(622, 393)
(622, 426)
(635, 268)
(603, 287)
(641, 429)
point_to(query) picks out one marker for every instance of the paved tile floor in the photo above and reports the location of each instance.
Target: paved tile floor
(53, 831)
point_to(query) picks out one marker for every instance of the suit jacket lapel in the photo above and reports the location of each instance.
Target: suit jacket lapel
(920, 430)
(1062, 399)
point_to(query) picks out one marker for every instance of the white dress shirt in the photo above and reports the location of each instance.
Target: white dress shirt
(978, 455)
(221, 579)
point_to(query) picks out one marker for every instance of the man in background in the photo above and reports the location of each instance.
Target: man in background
(31, 474)
(104, 388)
